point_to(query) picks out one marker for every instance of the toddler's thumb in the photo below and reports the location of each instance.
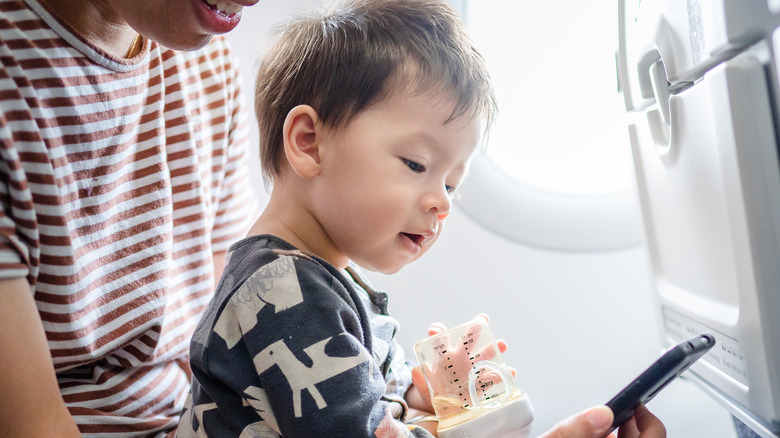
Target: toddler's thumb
(419, 379)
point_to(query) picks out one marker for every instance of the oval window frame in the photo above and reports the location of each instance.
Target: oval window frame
(548, 220)
(545, 219)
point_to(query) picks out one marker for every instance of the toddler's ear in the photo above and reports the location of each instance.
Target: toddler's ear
(301, 141)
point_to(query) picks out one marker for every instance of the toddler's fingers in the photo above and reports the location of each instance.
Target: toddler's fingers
(419, 379)
(436, 328)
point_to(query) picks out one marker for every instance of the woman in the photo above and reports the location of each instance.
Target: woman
(125, 179)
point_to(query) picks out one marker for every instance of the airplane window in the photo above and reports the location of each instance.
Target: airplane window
(557, 171)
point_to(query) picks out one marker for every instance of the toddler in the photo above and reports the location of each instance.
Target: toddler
(369, 115)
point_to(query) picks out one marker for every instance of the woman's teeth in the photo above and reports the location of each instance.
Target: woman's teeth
(225, 7)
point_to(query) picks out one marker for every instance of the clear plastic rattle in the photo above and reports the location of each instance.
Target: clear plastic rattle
(472, 389)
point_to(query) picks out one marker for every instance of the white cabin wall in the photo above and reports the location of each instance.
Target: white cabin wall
(579, 325)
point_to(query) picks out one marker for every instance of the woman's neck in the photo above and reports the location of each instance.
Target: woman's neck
(98, 23)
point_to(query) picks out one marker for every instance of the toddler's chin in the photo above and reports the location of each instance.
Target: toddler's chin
(386, 269)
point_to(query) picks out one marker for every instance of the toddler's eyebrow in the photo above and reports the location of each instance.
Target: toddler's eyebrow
(422, 138)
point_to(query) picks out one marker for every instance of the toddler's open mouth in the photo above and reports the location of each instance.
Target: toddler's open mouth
(418, 239)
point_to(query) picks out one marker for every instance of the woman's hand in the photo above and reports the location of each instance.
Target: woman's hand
(642, 425)
(596, 421)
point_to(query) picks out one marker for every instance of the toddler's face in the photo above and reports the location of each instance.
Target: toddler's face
(388, 176)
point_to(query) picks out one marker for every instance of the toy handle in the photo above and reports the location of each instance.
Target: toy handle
(509, 385)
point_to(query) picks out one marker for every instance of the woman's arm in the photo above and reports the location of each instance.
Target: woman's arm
(31, 404)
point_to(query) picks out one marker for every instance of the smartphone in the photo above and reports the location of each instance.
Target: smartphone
(670, 365)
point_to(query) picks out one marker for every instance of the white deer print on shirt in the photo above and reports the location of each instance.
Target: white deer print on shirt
(299, 376)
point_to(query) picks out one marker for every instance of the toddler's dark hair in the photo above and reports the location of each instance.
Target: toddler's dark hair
(358, 51)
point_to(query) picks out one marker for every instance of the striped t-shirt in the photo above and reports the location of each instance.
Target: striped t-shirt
(119, 178)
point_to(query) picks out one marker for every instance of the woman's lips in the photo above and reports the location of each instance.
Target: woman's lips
(218, 17)
(224, 7)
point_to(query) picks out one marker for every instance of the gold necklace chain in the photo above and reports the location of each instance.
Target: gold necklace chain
(136, 40)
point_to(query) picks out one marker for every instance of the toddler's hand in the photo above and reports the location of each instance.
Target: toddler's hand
(438, 327)
(441, 371)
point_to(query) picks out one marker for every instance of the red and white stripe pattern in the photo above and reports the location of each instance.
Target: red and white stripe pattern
(118, 180)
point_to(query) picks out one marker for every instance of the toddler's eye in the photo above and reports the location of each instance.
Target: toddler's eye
(415, 167)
